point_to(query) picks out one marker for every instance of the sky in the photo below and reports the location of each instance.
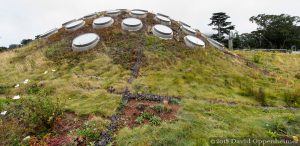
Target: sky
(21, 19)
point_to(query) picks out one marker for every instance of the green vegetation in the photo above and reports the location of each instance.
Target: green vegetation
(30, 115)
(139, 120)
(146, 115)
(174, 101)
(158, 108)
(252, 94)
(198, 120)
(155, 120)
(91, 130)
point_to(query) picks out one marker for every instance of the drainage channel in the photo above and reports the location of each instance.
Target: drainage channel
(106, 136)
(136, 67)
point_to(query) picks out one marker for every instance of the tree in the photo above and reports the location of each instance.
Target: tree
(219, 20)
(26, 41)
(250, 40)
(277, 31)
(236, 40)
(3, 48)
(13, 46)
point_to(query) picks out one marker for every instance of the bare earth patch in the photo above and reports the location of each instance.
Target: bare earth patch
(60, 130)
(135, 107)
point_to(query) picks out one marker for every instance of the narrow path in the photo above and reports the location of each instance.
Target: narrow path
(106, 137)
(136, 67)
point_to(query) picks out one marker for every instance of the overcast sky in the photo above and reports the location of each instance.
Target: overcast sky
(26, 18)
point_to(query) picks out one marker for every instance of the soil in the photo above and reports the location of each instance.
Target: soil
(132, 111)
(60, 130)
(67, 122)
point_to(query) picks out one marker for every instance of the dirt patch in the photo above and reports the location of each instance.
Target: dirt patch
(134, 108)
(67, 122)
(60, 130)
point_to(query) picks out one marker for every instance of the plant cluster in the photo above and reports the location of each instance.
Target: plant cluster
(154, 120)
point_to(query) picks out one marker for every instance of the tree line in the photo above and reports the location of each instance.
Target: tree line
(14, 46)
(273, 32)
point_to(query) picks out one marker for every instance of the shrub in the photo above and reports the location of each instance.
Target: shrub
(158, 108)
(174, 101)
(88, 132)
(146, 115)
(139, 120)
(37, 114)
(155, 120)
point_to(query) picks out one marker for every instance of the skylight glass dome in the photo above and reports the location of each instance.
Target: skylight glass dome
(73, 26)
(188, 30)
(90, 16)
(132, 24)
(137, 13)
(85, 42)
(102, 22)
(193, 42)
(162, 19)
(68, 22)
(162, 31)
(113, 13)
(182, 23)
(49, 33)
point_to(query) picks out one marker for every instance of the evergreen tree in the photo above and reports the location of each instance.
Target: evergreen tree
(219, 20)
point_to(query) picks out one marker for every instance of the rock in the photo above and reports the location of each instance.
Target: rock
(26, 81)
(26, 138)
(17, 86)
(3, 113)
(16, 97)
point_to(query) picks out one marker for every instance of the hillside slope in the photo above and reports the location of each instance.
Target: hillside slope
(72, 97)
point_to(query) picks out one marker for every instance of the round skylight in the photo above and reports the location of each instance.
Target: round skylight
(188, 30)
(192, 41)
(160, 14)
(75, 25)
(68, 22)
(132, 24)
(138, 13)
(113, 13)
(85, 42)
(49, 33)
(163, 20)
(162, 31)
(102, 22)
(92, 15)
(182, 23)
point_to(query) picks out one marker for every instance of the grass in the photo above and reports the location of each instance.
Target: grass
(198, 121)
(208, 74)
(221, 96)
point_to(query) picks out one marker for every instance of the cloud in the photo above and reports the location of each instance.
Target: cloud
(26, 18)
